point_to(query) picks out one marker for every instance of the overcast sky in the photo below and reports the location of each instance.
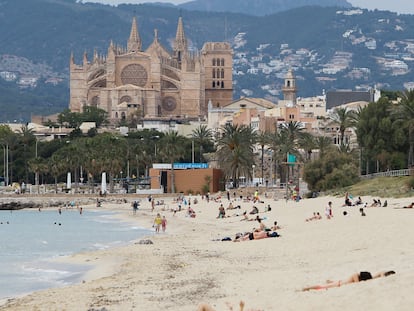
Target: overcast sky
(400, 6)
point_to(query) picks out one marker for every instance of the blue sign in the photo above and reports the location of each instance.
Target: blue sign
(291, 159)
(184, 166)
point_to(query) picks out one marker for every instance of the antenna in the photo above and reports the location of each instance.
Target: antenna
(225, 28)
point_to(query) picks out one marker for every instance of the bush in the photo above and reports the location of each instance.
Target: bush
(332, 171)
(410, 183)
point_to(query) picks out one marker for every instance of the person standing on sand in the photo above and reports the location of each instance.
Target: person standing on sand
(222, 212)
(164, 223)
(328, 211)
(134, 207)
(157, 223)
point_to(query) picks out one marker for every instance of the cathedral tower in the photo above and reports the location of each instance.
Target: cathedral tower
(218, 75)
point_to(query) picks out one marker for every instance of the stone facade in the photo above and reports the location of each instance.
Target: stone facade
(154, 83)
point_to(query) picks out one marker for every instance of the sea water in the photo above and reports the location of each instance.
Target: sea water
(30, 240)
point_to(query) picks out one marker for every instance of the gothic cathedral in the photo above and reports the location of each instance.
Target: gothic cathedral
(155, 83)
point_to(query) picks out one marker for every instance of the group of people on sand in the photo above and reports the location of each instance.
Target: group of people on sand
(160, 222)
(315, 216)
(259, 233)
(358, 201)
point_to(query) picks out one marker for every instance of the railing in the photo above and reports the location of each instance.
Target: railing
(395, 173)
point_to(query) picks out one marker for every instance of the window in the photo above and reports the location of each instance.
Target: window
(214, 73)
(214, 61)
(214, 84)
(222, 73)
(95, 101)
(222, 62)
(222, 84)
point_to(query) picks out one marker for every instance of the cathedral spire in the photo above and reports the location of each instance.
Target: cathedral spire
(134, 41)
(180, 43)
(155, 35)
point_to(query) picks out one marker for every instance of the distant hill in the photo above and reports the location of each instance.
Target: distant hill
(340, 49)
(258, 7)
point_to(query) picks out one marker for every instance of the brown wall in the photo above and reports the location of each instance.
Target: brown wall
(188, 180)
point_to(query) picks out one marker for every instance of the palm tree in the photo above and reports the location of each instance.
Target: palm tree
(235, 151)
(323, 143)
(284, 141)
(308, 142)
(57, 167)
(5, 136)
(274, 142)
(91, 161)
(262, 140)
(171, 150)
(293, 129)
(345, 119)
(11, 140)
(37, 166)
(405, 111)
(112, 155)
(203, 136)
(75, 155)
(26, 137)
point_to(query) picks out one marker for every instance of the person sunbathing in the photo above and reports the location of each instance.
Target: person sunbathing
(376, 203)
(256, 235)
(410, 205)
(316, 216)
(206, 307)
(262, 226)
(275, 227)
(246, 217)
(355, 278)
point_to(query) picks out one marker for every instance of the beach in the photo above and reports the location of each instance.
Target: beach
(189, 264)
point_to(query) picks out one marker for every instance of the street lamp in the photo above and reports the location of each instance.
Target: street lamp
(192, 151)
(6, 163)
(253, 167)
(155, 138)
(36, 173)
(192, 147)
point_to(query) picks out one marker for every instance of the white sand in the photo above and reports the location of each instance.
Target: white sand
(185, 267)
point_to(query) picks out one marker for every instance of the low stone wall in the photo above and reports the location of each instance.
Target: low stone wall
(21, 201)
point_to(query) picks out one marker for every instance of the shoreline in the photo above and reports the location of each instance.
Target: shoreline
(186, 266)
(79, 270)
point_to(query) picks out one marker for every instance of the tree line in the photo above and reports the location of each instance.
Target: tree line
(384, 141)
